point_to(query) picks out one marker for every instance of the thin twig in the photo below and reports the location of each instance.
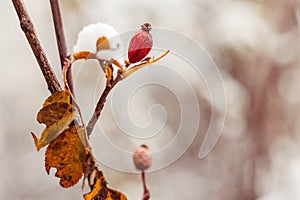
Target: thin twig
(60, 38)
(67, 67)
(100, 104)
(146, 195)
(121, 75)
(40, 55)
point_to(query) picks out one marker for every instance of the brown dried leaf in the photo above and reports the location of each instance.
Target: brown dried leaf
(54, 112)
(56, 115)
(102, 44)
(67, 154)
(100, 190)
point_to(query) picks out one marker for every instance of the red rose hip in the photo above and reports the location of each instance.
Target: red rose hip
(140, 44)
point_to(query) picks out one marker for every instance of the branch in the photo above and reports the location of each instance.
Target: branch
(60, 38)
(39, 53)
(121, 75)
(100, 104)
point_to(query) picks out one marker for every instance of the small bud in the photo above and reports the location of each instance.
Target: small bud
(141, 158)
(140, 44)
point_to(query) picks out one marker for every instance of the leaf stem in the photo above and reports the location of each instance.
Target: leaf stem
(39, 53)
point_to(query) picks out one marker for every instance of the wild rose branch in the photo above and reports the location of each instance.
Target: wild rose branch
(61, 108)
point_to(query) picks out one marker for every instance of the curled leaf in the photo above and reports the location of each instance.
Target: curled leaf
(100, 190)
(102, 44)
(109, 75)
(57, 114)
(67, 154)
(61, 96)
(84, 55)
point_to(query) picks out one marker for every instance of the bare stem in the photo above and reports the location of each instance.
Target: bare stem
(40, 55)
(146, 195)
(60, 38)
(100, 104)
(67, 67)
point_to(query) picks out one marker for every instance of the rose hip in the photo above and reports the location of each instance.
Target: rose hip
(141, 158)
(140, 44)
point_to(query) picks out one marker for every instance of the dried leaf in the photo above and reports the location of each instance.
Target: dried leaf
(100, 190)
(56, 115)
(102, 44)
(84, 55)
(109, 75)
(61, 96)
(54, 112)
(67, 154)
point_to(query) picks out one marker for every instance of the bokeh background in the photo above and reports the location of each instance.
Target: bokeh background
(254, 43)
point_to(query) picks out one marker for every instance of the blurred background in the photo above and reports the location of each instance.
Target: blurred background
(254, 44)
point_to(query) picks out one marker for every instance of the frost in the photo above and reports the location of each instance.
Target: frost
(88, 36)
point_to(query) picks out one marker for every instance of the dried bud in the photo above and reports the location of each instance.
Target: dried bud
(140, 44)
(141, 158)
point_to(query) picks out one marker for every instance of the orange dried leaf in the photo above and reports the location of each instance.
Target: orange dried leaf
(67, 154)
(100, 190)
(57, 117)
(115, 195)
(57, 114)
(54, 112)
(60, 96)
(109, 75)
(84, 55)
(102, 44)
